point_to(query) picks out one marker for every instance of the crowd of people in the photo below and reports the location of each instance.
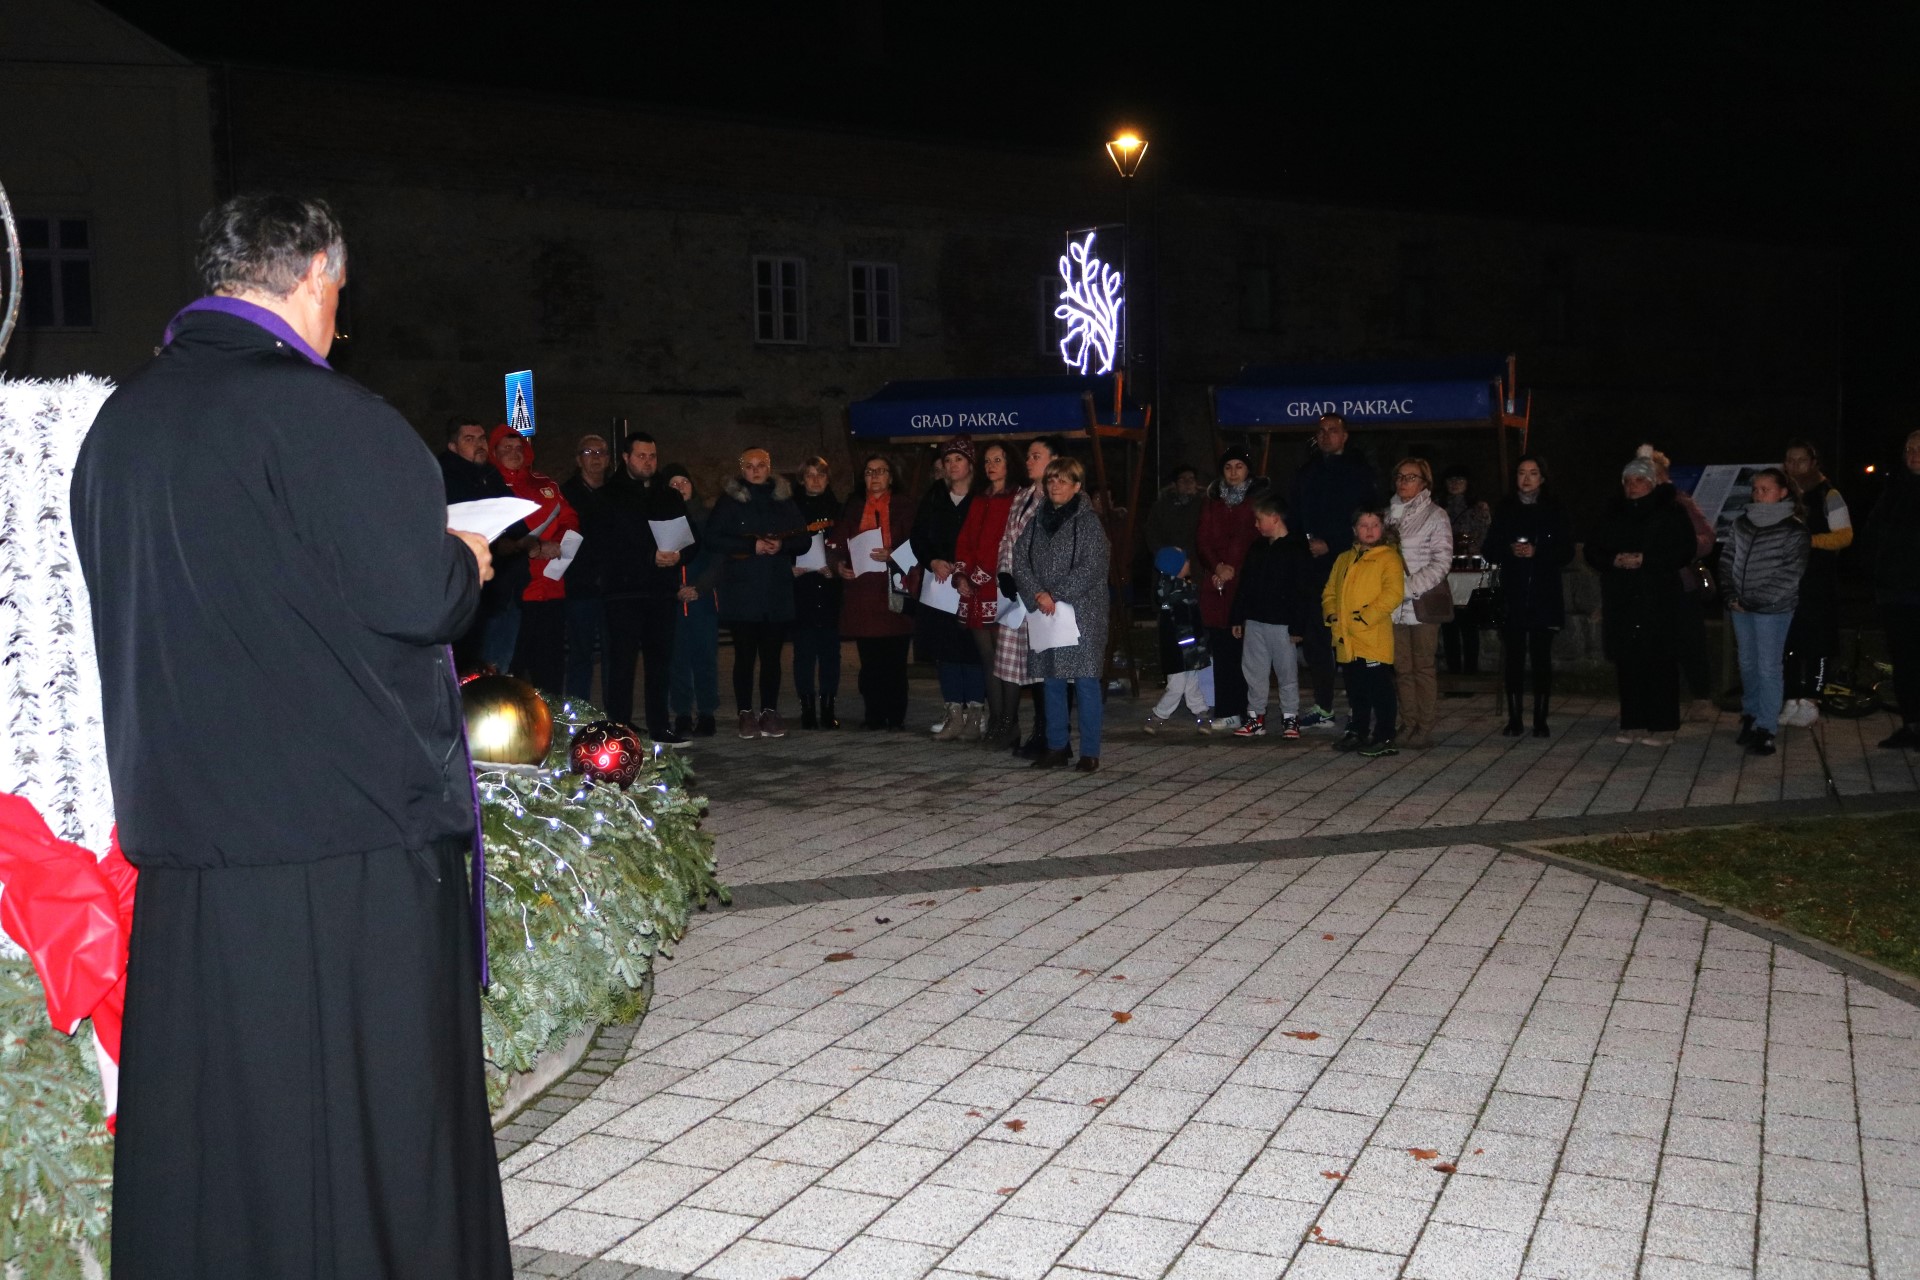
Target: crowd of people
(1266, 595)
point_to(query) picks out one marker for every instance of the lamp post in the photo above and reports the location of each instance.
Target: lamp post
(1126, 152)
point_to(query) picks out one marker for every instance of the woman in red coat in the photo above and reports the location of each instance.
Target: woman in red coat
(1226, 532)
(867, 616)
(976, 560)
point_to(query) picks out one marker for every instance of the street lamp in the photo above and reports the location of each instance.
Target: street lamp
(1126, 152)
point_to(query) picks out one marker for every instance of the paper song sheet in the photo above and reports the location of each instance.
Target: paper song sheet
(671, 535)
(488, 517)
(904, 557)
(1057, 632)
(936, 594)
(1012, 612)
(557, 567)
(815, 556)
(860, 549)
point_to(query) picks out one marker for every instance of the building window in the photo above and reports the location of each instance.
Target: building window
(57, 263)
(1413, 312)
(779, 299)
(1049, 327)
(873, 304)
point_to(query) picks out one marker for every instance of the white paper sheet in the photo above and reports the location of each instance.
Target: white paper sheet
(557, 567)
(1012, 612)
(671, 535)
(860, 549)
(1056, 632)
(815, 556)
(489, 517)
(936, 594)
(904, 557)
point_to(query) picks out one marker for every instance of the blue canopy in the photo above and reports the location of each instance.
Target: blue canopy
(1455, 390)
(981, 406)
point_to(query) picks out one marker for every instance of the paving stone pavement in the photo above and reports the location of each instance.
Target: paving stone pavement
(1439, 1061)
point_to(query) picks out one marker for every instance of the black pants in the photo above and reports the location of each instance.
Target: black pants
(641, 628)
(883, 680)
(302, 1090)
(1229, 681)
(1902, 622)
(1460, 641)
(1811, 640)
(540, 654)
(757, 642)
(1370, 693)
(816, 649)
(1518, 648)
(1649, 676)
(1691, 643)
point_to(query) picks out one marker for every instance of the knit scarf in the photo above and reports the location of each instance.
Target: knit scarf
(1052, 517)
(876, 514)
(1231, 494)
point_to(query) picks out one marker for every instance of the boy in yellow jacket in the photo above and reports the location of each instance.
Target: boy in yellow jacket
(1365, 587)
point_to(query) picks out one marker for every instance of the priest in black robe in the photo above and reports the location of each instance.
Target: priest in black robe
(273, 588)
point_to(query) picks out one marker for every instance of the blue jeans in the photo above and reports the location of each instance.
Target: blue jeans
(1762, 641)
(1092, 713)
(586, 637)
(963, 682)
(695, 680)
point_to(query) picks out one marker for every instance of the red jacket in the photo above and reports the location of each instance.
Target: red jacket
(1225, 534)
(554, 518)
(977, 554)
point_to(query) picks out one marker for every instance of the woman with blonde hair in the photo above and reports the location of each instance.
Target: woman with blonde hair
(1425, 535)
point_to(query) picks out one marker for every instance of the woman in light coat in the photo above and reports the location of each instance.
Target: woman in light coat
(1760, 578)
(1062, 558)
(1426, 547)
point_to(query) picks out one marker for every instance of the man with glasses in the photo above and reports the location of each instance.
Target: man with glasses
(1330, 486)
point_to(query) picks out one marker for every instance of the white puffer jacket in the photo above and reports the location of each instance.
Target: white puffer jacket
(1426, 547)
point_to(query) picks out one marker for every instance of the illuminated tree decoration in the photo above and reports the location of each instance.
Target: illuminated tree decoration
(1090, 305)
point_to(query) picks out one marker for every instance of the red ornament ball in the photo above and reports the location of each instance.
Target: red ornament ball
(607, 751)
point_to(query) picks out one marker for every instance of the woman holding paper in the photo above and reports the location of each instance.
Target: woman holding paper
(816, 603)
(1060, 567)
(936, 534)
(976, 564)
(876, 520)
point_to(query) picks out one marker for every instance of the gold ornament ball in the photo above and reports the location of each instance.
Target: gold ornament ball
(507, 723)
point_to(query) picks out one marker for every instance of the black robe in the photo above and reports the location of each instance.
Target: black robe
(302, 1087)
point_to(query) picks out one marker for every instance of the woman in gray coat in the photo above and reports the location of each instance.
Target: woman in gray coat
(1760, 574)
(1061, 559)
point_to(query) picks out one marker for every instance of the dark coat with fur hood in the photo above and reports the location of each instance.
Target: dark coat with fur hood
(753, 587)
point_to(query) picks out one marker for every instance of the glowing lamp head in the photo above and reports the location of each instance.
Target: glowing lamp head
(1126, 152)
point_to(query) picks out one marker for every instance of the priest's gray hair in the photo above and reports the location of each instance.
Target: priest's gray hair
(263, 242)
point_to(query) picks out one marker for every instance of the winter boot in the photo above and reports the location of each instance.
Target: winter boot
(975, 726)
(954, 726)
(809, 718)
(1540, 716)
(1513, 729)
(828, 720)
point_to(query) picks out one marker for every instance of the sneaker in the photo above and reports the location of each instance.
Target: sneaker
(1317, 717)
(1227, 722)
(1627, 737)
(705, 727)
(771, 725)
(669, 738)
(1903, 737)
(1255, 727)
(1374, 750)
(1153, 723)
(1349, 741)
(749, 725)
(1659, 739)
(1290, 726)
(1762, 744)
(1204, 725)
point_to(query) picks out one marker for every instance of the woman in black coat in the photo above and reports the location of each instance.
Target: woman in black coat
(1639, 548)
(1530, 541)
(816, 606)
(756, 526)
(940, 635)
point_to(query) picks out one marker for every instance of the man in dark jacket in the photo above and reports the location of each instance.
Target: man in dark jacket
(273, 585)
(468, 476)
(641, 583)
(1331, 485)
(586, 491)
(1893, 551)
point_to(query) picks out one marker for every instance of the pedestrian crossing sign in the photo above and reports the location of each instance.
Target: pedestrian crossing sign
(520, 401)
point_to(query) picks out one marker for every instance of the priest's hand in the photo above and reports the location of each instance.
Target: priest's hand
(482, 554)
(666, 559)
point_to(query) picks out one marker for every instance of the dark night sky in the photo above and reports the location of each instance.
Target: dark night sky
(1764, 121)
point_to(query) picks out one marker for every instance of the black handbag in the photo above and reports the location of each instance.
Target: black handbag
(1484, 604)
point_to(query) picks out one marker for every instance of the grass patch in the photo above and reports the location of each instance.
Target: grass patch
(1850, 882)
